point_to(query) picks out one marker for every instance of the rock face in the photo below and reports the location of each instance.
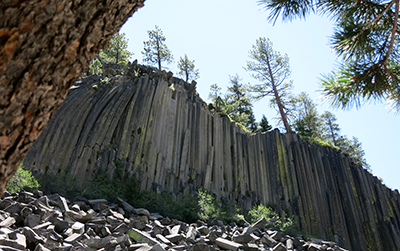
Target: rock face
(155, 128)
(55, 224)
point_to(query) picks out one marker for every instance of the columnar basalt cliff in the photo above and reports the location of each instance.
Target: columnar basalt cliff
(156, 127)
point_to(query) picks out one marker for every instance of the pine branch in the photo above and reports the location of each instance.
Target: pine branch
(395, 20)
(378, 17)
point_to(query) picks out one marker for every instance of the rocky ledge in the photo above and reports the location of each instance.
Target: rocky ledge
(33, 221)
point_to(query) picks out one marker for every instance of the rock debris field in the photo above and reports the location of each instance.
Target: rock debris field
(33, 221)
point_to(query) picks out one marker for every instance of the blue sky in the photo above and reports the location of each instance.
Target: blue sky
(218, 36)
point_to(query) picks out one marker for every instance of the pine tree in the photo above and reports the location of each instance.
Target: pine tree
(366, 37)
(215, 92)
(235, 104)
(187, 69)
(252, 125)
(117, 51)
(217, 102)
(306, 119)
(332, 132)
(354, 149)
(264, 124)
(155, 50)
(272, 70)
(240, 106)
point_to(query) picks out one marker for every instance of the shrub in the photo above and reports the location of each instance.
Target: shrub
(210, 209)
(22, 180)
(182, 207)
(61, 183)
(95, 68)
(283, 224)
(318, 141)
(185, 207)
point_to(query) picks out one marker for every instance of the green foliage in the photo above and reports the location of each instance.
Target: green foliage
(61, 183)
(182, 207)
(264, 124)
(274, 222)
(323, 130)
(332, 132)
(239, 102)
(366, 38)
(306, 119)
(318, 141)
(22, 180)
(208, 206)
(215, 92)
(155, 51)
(95, 67)
(185, 207)
(209, 209)
(187, 69)
(272, 70)
(117, 50)
(236, 104)
(101, 186)
(354, 149)
(115, 53)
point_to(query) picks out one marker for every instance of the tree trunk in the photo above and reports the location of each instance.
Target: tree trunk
(44, 46)
(281, 111)
(278, 99)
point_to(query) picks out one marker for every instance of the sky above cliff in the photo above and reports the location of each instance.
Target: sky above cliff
(218, 36)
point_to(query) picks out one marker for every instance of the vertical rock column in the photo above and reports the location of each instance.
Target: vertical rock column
(166, 136)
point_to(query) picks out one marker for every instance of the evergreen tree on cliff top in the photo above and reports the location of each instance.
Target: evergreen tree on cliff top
(307, 121)
(187, 69)
(272, 70)
(332, 132)
(235, 104)
(366, 36)
(117, 51)
(264, 124)
(155, 50)
(239, 101)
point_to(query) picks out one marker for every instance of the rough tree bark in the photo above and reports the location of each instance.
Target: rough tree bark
(44, 46)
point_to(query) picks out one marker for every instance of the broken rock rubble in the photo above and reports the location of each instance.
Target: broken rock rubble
(33, 221)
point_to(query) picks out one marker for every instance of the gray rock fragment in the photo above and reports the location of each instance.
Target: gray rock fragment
(62, 204)
(108, 229)
(40, 247)
(98, 242)
(125, 205)
(32, 220)
(279, 247)
(260, 224)
(31, 236)
(8, 222)
(12, 243)
(230, 245)
(140, 236)
(142, 211)
(243, 238)
(266, 239)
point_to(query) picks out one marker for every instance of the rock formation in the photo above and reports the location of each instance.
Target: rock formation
(33, 221)
(147, 123)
